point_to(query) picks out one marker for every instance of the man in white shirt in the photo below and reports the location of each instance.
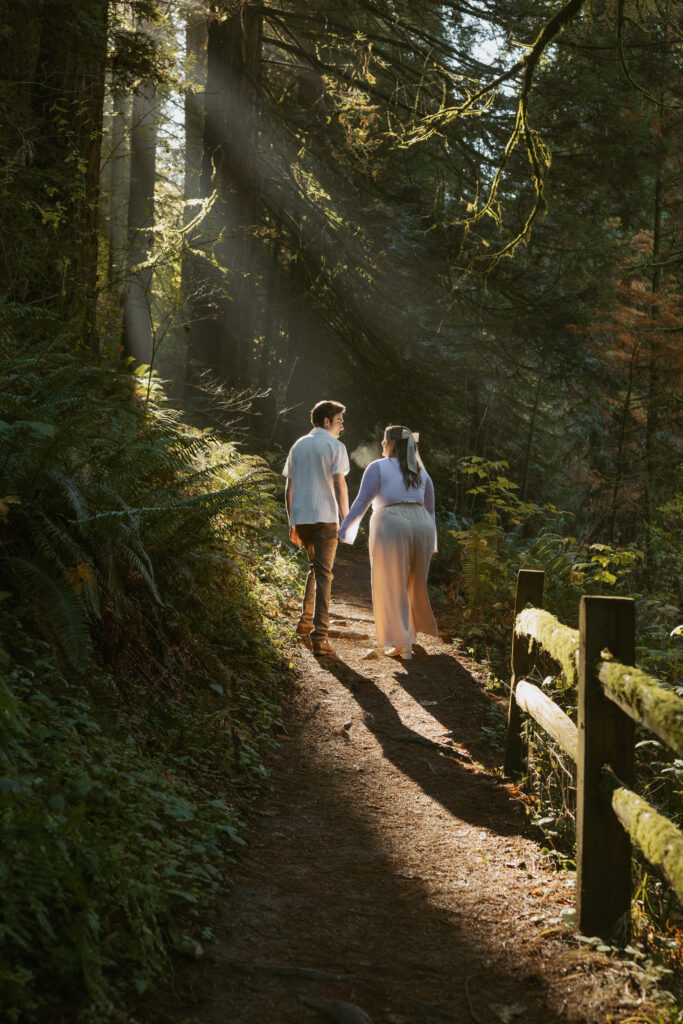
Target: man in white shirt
(315, 495)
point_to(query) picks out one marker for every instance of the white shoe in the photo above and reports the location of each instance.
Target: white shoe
(404, 653)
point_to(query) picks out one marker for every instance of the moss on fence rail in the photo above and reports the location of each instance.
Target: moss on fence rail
(560, 642)
(655, 835)
(645, 700)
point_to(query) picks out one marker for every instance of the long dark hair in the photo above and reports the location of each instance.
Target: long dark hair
(395, 434)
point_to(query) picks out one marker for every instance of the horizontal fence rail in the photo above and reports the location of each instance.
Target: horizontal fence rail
(545, 711)
(612, 696)
(560, 642)
(637, 694)
(658, 838)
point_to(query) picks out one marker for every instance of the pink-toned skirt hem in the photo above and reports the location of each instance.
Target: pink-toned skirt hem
(401, 546)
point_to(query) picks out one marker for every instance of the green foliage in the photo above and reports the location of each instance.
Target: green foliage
(106, 841)
(139, 680)
(106, 494)
(482, 550)
(117, 820)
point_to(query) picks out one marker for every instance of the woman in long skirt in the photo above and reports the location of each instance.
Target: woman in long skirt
(402, 540)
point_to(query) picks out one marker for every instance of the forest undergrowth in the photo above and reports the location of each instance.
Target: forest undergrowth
(141, 669)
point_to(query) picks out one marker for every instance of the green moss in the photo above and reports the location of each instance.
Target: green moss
(560, 642)
(641, 697)
(655, 835)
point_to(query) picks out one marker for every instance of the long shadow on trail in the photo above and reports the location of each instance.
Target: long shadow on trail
(320, 910)
(468, 715)
(469, 795)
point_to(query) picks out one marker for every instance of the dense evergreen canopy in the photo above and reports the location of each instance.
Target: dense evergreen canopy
(462, 215)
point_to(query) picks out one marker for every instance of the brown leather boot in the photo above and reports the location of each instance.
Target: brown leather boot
(324, 647)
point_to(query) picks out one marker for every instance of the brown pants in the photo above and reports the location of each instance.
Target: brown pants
(320, 541)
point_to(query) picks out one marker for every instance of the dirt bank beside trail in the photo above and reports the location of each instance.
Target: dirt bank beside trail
(390, 867)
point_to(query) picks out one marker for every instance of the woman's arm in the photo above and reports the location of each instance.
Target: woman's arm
(369, 489)
(429, 505)
(429, 496)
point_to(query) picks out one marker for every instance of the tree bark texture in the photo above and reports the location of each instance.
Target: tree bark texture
(53, 70)
(530, 438)
(195, 77)
(229, 165)
(137, 321)
(118, 197)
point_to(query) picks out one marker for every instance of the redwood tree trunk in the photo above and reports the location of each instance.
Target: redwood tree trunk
(55, 64)
(118, 199)
(191, 273)
(137, 320)
(229, 166)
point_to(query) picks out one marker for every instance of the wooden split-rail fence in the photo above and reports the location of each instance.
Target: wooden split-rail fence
(612, 696)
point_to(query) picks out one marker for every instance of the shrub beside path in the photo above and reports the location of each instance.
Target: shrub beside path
(390, 869)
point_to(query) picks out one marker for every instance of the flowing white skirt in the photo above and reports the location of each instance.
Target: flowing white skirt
(401, 546)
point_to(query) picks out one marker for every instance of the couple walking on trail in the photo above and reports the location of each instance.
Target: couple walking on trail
(402, 528)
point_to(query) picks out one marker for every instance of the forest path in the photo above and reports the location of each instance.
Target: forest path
(389, 866)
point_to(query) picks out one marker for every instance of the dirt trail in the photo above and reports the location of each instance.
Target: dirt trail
(390, 867)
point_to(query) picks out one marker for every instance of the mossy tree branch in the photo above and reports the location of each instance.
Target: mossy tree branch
(539, 156)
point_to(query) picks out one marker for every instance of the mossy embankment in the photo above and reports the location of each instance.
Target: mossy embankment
(141, 671)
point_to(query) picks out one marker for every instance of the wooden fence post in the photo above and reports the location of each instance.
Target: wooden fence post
(529, 592)
(606, 736)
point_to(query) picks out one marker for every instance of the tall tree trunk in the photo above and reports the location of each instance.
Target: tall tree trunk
(118, 198)
(621, 446)
(191, 274)
(56, 69)
(530, 438)
(230, 166)
(137, 320)
(652, 453)
(653, 368)
(72, 62)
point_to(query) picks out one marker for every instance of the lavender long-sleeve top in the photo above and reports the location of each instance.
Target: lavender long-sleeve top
(383, 485)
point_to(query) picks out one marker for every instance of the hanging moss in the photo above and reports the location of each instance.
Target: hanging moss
(642, 698)
(655, 835)
(560, 642)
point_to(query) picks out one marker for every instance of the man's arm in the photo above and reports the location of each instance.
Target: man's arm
(341, 493)
(293, 535)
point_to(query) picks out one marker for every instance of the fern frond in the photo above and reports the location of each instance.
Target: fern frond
(53, 543)
(65, 484)
(58, 608)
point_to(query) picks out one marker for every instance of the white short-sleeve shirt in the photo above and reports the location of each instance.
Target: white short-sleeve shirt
(312, 462)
